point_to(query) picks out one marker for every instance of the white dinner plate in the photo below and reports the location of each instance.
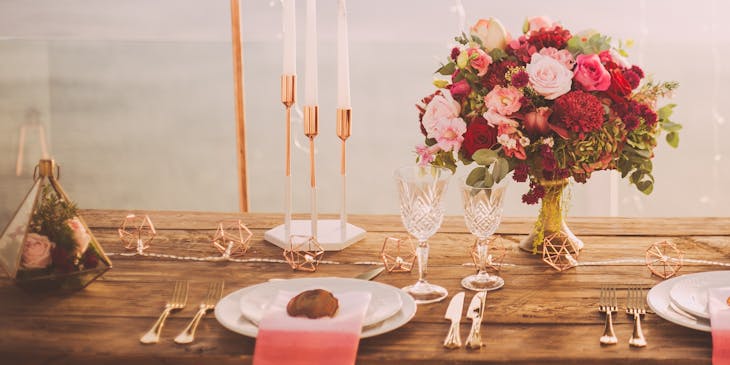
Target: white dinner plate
(384, 303)
(661, 304)
(690, 291)
(228, 310)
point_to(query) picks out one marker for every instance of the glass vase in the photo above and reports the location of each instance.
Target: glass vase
(551, 220)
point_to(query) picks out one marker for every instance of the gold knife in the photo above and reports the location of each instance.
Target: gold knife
(369, 275)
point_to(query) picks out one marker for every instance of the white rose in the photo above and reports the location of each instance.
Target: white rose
(492, 34)
(548, 77)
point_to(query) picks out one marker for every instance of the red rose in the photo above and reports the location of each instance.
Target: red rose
(479, 134)
(618, 82)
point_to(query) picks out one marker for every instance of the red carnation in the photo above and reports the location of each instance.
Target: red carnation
(520, 79)
(578, 111)
(555, 37)
(520, 174)
(638, 71)
(496, 74)
(632, 78)
(479, 134)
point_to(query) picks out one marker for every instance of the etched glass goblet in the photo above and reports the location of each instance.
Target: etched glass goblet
(421, 190)
(482, 214)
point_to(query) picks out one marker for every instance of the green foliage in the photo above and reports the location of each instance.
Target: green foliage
(497, 54)
(50, 216)
(590, 45)
(670, 127)
(447, 69)
(485, 156)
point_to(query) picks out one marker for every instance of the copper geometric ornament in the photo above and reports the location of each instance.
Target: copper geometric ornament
(664, 259)
(137, 233)
(304, 253)
(496, 251)
(398, 255)
(556, 252)
(232, 238)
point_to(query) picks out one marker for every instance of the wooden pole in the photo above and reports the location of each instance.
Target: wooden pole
(239, 96)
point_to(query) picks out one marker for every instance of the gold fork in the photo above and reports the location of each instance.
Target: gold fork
(179, 298)
(636, 305)
(215, 291)
(607, 304)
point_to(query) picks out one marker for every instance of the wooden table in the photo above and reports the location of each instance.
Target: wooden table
(540, 316)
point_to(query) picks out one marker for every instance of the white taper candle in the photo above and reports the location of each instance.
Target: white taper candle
(343, 58)
(310, 61)
(290, 37)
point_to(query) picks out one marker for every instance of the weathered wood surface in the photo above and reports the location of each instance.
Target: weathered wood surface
(540, 316)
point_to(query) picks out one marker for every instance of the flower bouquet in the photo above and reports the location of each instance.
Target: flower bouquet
(549, 105)
(47, 245)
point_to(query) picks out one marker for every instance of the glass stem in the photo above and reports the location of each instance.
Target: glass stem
(422, 256)
(482, 255)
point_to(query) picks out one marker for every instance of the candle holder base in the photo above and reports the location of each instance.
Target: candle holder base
(328, 234)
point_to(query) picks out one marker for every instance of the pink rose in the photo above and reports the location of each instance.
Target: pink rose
(537, 23)
(548, 76)
(590, 73)
(536, 123)
(492, 34)
(496, 119)
(504, 100)
(563, 56)
(481, 62)
(449, 134)
(442, 106)
(81, 237)
(36, 252)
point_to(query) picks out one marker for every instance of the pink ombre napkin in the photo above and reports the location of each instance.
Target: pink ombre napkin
(720, 323)
(283, 339)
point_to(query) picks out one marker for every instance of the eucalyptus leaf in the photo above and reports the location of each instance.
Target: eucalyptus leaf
(500, 169)
(484, 156)
(488, 180)
(673, 139)
(645, 186)
(476, 175)
(665, 112)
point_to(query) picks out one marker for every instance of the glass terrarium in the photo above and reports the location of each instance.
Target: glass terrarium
(47, 245)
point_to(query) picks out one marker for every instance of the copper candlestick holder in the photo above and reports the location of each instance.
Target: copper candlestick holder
(331, 234)
(288, 98)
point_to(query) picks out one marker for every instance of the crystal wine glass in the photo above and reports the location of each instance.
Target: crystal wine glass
(483, 213)
(421, 210)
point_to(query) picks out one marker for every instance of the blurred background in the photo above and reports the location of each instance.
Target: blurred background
(135, 100)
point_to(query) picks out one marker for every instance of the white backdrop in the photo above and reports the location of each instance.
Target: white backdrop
(136, 96)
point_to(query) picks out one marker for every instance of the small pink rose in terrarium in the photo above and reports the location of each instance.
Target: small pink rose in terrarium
(37, 252)
(80, 236)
